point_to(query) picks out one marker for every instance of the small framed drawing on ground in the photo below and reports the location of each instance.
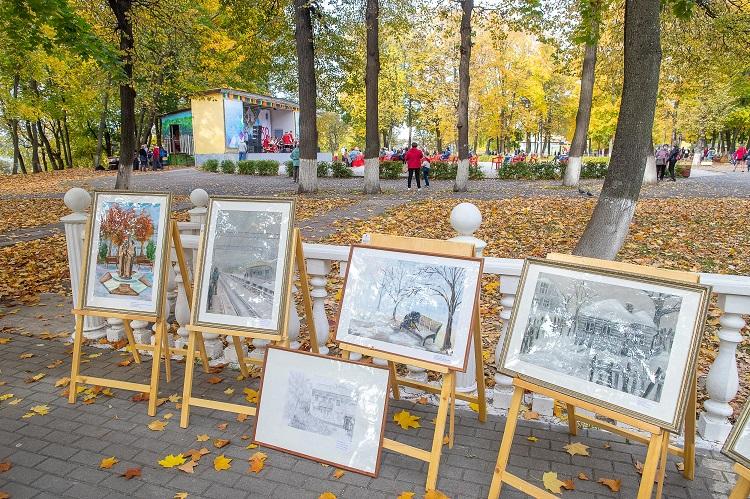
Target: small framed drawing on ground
(415, 305)
(322, 408)
(737, 446)
(624, 341)
(127, 252)
(243, 276)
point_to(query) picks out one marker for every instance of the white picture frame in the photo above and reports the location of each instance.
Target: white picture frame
(412, 304)
(126, 254)
(624, 341)
(322, 408)
(243, 272)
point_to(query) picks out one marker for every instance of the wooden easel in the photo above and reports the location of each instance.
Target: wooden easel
(447, 391)
(282, 339)
(160, 338)
(658, 441)
(741, 489)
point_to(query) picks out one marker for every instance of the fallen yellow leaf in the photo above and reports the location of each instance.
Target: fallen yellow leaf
(327, 495)
(577, 448)
(157, 425)
(551, 482)
(171, 461)
(532, 439)
(338, 473)
(202, 438)
(613, 484)
(108, 462)
(222, 463)
(406, 420)
(251, 395)
(257, 462)
(406, 495)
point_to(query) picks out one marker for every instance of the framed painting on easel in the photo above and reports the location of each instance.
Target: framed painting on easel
(246, 257)
(127, 252)
(419, 306)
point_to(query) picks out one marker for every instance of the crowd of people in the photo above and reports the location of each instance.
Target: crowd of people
(153, 159)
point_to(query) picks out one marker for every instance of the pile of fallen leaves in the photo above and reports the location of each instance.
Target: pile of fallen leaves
(701, 235)
(30, 212)
(33, 267)
(47, 182)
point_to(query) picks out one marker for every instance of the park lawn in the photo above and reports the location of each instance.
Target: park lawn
(702, 235)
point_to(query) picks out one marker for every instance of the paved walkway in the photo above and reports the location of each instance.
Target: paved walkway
(58, 454)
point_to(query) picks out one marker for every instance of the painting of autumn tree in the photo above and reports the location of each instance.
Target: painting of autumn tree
(117, 224)
(143, 229)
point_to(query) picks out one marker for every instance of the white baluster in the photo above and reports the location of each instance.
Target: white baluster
(466, 219)
(318, 271)
(199, 198)
(722, 382)
(181, 312)
(142, 333)
(115, 329)
(503, 390)
(78, 200)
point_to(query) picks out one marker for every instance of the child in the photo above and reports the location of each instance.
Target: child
(426, 171)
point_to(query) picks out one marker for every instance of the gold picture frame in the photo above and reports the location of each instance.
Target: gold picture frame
(729, 448)
(699, 296)
(206, 256)
(89, 300)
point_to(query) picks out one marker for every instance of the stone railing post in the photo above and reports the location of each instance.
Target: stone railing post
(722, 383)
(503, 390)
(294, 322)
(78, 200)
(318, 271)
(181, 312)
(466, 219)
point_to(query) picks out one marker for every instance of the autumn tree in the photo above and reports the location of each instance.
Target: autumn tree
(143, 229)
(116, 224)
(590, 11)
(307, 88)
(608, 227)
(372, 73)
(462, 174)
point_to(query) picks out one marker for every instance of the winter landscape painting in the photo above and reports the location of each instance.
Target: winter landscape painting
(245, 259)
(621, 340)
(410, 304)
(326, 409)
(128, 233)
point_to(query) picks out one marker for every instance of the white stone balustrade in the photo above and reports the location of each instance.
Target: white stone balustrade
(79, 201)
(465, 220)
(722, 383)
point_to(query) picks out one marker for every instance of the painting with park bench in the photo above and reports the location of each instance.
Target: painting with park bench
(624, 341)
(126, 252)
(246, 255)
(415, 305)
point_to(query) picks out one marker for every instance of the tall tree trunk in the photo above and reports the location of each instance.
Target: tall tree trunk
(583, 116)
(409, 118)
(121, 10)
(18, 163)
(650, 174)
(66, 134)
(462, 173)
(700, 144)
(438, 139)
(32, 132)
(608, 227)
(528, 143)
(372, 72)
(100, 131)
(54, 157)
(308, 175)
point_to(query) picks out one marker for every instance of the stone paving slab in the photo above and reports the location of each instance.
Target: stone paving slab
(58, 454)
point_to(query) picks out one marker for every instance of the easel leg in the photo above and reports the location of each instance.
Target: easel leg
(503, 454)
(689, 446)
(204, 355)
(131, 341)
(741, 489)
(437, 439)
(662, 469)
(167, 355)
(452, 424)
(240, 356)
(304, 287)
(187, 389)
(649, 467)
(572, 426)
(154, 388)
(75, 368)
(479, 362)
(394, 381)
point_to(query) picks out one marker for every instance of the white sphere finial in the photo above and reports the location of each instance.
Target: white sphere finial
(466, 219)
(77, 199)
(199, 198)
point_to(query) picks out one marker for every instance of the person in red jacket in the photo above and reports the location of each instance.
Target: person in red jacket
(413, 159)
